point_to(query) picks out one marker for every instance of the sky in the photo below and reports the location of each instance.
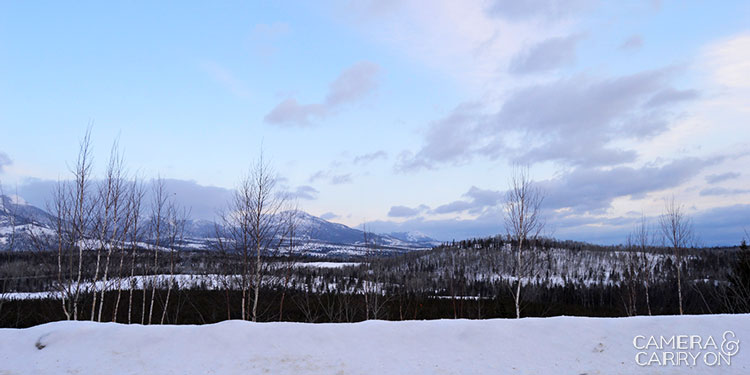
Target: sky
(405, 115)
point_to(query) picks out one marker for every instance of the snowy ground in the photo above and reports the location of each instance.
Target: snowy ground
(563, 345)
(327, 264)
(183, 281)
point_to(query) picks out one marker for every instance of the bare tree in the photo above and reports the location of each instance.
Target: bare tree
(453, 283)
(159, 215)
(306, 305)
(233, 236)
(638, 265)
(227, 234)
(130, 226)
(265, 207)
(372, 284)
(291, 221)
(176, 233)
(97, 221)
(253, 228)
(523, 222)
(135, 199)
(86, 219)
(677, 231)
(643, 240)
(61, 210)
(108, 222)
(73, 206)
(366, 284)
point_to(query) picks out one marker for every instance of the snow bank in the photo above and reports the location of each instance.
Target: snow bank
(562, 345)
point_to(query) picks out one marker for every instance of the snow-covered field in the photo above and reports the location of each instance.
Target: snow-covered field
(327, 264)
(562, 345)
(182, 281)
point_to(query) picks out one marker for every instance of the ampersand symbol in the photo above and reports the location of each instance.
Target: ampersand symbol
(730, 347)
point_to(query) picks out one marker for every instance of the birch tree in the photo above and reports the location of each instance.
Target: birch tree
(252, 227)
(373, 279)
(73, 206)
(366, 282)
(233, 236)
(265, 206)
(523, 222)
(677, 231)
(176, 232)
(131, 197)
(159, 214)
(108, 224)
(642, 240)
(135, 199)
(637, 266)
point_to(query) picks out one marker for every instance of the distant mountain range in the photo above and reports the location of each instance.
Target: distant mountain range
(316, 236)
(15, 208)
(317, 229)
(18, 220)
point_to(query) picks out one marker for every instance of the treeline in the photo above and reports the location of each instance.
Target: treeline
(461, 281)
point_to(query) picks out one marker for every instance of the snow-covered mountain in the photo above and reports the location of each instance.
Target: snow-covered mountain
(413, 236)
(16, 208)
(315, 235)
(18, 220)
(319, 229)
(320, 237)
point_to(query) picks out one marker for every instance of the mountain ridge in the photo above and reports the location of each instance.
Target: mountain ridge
(317, 235)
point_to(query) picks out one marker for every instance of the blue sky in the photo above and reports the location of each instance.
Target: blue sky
(407, 115)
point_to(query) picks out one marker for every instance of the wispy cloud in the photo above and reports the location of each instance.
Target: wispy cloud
(547, 9)
(477, 202)
(291, 113)
(471, 43)
(370, 157)
(723, 191)
(545, 56)
(351, 85)
(305, 192)
(671, 95)
(331, 177)
(716, 178)
(341, 179)
(329, 216)
(404, 211)
(575, 121)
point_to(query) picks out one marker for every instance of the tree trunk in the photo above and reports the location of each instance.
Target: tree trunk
(679, 286)
(518, 286)
(257, 284)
